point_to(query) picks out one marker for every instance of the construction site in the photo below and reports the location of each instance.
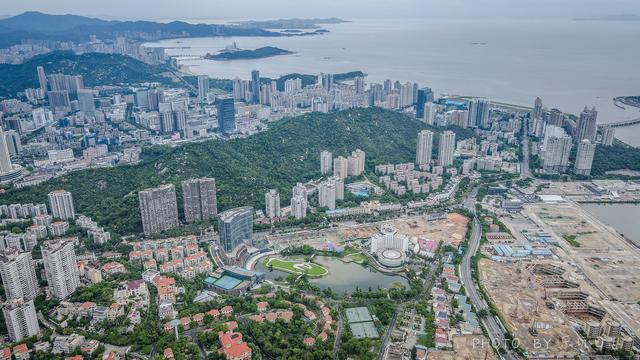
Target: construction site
(590, 283)
(447, 229)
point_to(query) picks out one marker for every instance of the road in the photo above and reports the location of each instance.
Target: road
(387, 334)
(490, 322)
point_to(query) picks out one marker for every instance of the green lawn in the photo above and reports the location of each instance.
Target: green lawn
(297, 267)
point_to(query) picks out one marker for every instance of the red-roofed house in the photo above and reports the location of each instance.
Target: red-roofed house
(5, 354)
(231, 325)
(309, 341)
(323, 336)
(168, 354)
(214, 312)
(185, 322)
(233, 347)
(75, 357)
(21, 352)
(227, 310)
(198, 318)
(262, 306)
(286, 315)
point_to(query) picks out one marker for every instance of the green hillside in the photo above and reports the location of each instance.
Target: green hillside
(244, 168)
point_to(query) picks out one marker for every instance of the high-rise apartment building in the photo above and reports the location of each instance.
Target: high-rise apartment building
(199, 199)
(300, 190)
(61, 267)
(556, 154)
(298, 207)
(5, 157)
(430, 111)
(479, 113)
(158, 209)
(61, 204)
(272, 204)
(424, 96)
(424, 148)
(355, 163)
(341, 167)
(326, 162)
(327, 195)
(86, 104)
(236, 227)
(584, 157)
(18, 274)
(608, 134)
(59, 100)
(42, 79)
(203, 87)
(446, 148)
(586, 126)
(20, 319)
(255, 86)
(226, 116)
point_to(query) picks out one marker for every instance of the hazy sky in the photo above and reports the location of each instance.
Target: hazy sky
(162, 9)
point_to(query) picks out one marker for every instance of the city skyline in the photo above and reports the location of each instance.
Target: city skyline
(350, 8)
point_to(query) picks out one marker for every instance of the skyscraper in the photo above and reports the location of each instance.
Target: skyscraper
(424, 148)
(300, 190)
(158, 209)
(446, 148)
(203, 87)
(86, 104)
(355, 163)
(556, 154)
(341, 167)
(424, 96)
(586, 127)
(298, 207)
(430, 111)
(537, 109)
(255, 86)
(5, 158)
(61, 204)
(199, 199)
(479, 113)
(59, 100)
(608, 134)
(236, 227)
(326, 162)
(226, 116)
(327, 194)
(272, 204)
(42, 79)
(20, 319)
(61, 267)
(18, 274)
(584, 157)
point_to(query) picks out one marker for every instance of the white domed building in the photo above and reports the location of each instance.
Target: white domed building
(389, 246)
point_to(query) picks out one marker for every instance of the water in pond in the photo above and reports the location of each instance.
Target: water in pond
(343, 276)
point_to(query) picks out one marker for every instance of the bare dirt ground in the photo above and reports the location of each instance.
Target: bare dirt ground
(520, 300)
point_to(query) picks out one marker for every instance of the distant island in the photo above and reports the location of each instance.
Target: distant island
(290, 23)
(623, 17)
(263, 52)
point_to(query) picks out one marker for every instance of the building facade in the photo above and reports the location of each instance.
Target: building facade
(236, 227)
(61, 204)
(61, 267)
(446, 148)
(424, 147)
(158, 209)
(199, 199)
(18, 274)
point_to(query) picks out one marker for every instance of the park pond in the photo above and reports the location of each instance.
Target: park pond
(342, 276)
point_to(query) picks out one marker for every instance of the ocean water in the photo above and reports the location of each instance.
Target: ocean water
(569, 64)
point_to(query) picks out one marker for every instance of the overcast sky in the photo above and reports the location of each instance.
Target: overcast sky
(210, 9)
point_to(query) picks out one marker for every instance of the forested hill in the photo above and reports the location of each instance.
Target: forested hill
(96, 69)
(244, 168)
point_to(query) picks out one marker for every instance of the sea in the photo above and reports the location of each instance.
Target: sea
(568, 64)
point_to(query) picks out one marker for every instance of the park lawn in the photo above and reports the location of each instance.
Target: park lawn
(297, 267)
(358, 258)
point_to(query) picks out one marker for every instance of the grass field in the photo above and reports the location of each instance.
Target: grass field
(356, 255)
(297, 267)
